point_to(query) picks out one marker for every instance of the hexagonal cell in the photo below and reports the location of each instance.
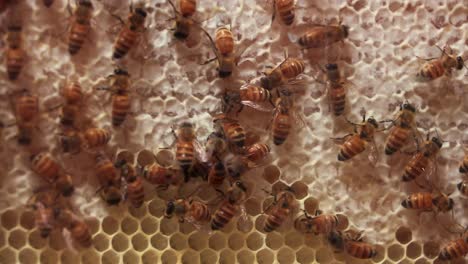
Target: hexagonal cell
(431, 249)
(9, 219)
(190, 256)
(145, 157)
(422, 261)
(312, 241)
(110, 225)
(149, 225)
(300, 190)
(8, 255)
(35, 240)
(120, 242)
(381, 253)
(156, 208)
(217, 241)
(27, 220)
(2, 238)
(178, 241)
(413, 250)
(311, 205)
(90, 257)
(138, 213)
(323, 255)
(57, 240)
(48, 256)
(285, 255)
(278, 187)
(129, 225)
(17, 239)
(265, 256)
(245, 256)
(294, 239)
(274, 240)
(405, 261)
(165, 157)
(110, 257)
(343, 222)
(159, 241)
(253, 206)
(101, 242)
(139, 242)
(271, 174)
(68, 256)
(227, 256)
(93, 224)
(186, 228)
(208, 256)
(254, 241)
(26, 256)
(236, 241)
(395, 252)
(168, 257)
(305, 255)
(130, 257)
(244, 224)
(125, 155)
(403, 235)
(198, 240)
(149, 257)
(168, 226)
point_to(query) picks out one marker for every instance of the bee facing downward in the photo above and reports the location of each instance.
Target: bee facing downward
(78, 228)
(421, 161)
(15, 55)
(436, 68)
(282, 208)
(230, 206)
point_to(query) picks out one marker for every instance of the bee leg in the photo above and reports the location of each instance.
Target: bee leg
(209, 61)
(426, 59)
(339, 140)
(274, 12)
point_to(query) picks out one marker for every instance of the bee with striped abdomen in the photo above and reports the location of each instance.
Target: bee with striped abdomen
(190, 210)
(282, 74)
(217, 173)
(73, 96)
(78, 228)
(285, 10)
(257, 152)
(336, 88)
(285, 117)
(95, 137)
(250, 95)
(130, 32)
(231, 129)
(318, 224)
(109, 180)
(353, 245)
(42, 203)
(282, 208)
(215, 146)
(26, 108)
(427, 201)
(135, 191)
(229, 206)
(80, 25)
(185, 147)
(15, 55)
(159, 175)
(322, 36)
(437, 67)
(183, 20)
(404, 125)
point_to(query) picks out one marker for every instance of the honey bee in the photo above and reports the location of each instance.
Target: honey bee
(130, 32)
(285, 9)
(49, 169)
(15, 55)
(217, 173)
(357, 142)
(135, 191)
(354, 246)
(109, 180)
(236, 166)
(48, 3)
(230, 206)
(78, 229)
(231, 129)
(64, 184)
(185, 149)
(249, 95)
(423, 161)
(44, 213)
(159, 175)
(455, 249)
(337, 87)
(284, 117)
(96, 137)
(404, 125)
(427, 201)
(322, 36)
(463, 187)
(183, 21)
(257, 152)
(70, 140)
(287, 70)
(215, 145)
(80, 25)
(464, 165)
(188, 209)
(73, 97)
(283, 207)
(27, 111)
(437, 67)
(318, 224)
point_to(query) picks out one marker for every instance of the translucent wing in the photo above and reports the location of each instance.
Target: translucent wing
(202, 155)
(373, 154)
(298, 119)
(258, 106)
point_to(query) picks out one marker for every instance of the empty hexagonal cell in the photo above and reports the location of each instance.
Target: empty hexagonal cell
(265, 256)
(294, 239)
(165, 157)
(422, 261)
(168, 257)
(110, 225)
(323, 255)
(198, 240)
(149, 257)
(27, 220)
(90, 257)
(35, 240)
(311, 205)
(119, 242)
(395, 252)
(285, 255)
(208, 256)
(274, 240)
(403, 235)
(101, 242)
(149, 225)
(245, 256)
(17, 239)
(130, 257)
(227, 256)
(49, 256)
(217, 241)
(305, 255)
(254, 241)
(253, 206)
(9, 219)
(244, 224)
(156, 208)
(300, 190)
(186, 227)
(129, 225)
(178, 241)
(125, 155)
(190, 256)
(8, 255)
(431, 249)
(145, 157)
(405, 261)
(168, 226)
(68, 256)
(139, 242)
(271, 173)
(413, 250)
(2, 238)
(110, 257)
(26, 256)
(159, 241)
(236, 241)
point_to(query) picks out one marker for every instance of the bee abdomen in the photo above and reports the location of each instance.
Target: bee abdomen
(14, 61)
(286, 11)
(224, 214)
(237, 136)
(274, 220)
(217, 174)
(432, 70)
(396, 140)
(124, 43)
(46, 167)
(414, 169)
(454, 249)
(281, 128)
(292, 67)
(351, 148)
(224, 41)
(77, 37)
(136, 192)
(418, 201)
(200, 212)
(120, 108)
(338, 100)
(185, 155)
(96, 137)
(360, 250)
(187, 7)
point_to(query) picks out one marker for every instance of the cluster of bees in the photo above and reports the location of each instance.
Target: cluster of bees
(229, 152)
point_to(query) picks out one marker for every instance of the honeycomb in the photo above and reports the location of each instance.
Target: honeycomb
(170, 86)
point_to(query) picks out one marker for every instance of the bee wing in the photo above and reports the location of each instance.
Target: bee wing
(298, 119)
(202, 155)
(373, 153)
(68, 240)
(258, 106)
(431, 169)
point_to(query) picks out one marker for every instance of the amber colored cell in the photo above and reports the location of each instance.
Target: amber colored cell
(145, 157)
(139, 242)
(208, 256)
(168, 257)
(274, 240)
(311, 205)
(35, 240)
(431, 249)
(17, 239)
(93, 224)
(168, 226)
(2, 238)
(8, 255)
(294, 239)
(413, 250)
(110, 257)
(217, 241)
(129, 225)
(285, 255)
(403, 235)
(186, 228)
(138, 213)
(165, 158)
(9, 219)
(119, 242)
(149, 225)
(265, 256)
(178, 242)
(101, 242)
(150, 256)
(126, 155)
(236, 241)
(69, 257)
(198, 240)
(244, 224)
(190, 256)
(323, 255)
(254, 241)
(422, 261)
(110, 225)
(27, 256)
(305, 255)
(156, 208)
(278, 187)
(227, 256)
(395, 252)
(57, 240)
(381, 253)
(312, 241)
(130, 257)
(90, 257)
(300, 190)
(253, 206)
(159, 241)
(48, 256)
(245, 256)
(271, 174)
(27, 220)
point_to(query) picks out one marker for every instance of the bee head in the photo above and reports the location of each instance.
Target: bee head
(113, 196)
(331, 67)
(373, 122)
(408, 106)
(345, 30)
(86, 3)
(266, 83)
(451, 203)
(459, 63)
(140, 11)
(170, 208)
(120, 71)
(437, 141)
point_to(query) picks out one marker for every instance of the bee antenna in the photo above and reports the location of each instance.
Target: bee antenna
(173, 6)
